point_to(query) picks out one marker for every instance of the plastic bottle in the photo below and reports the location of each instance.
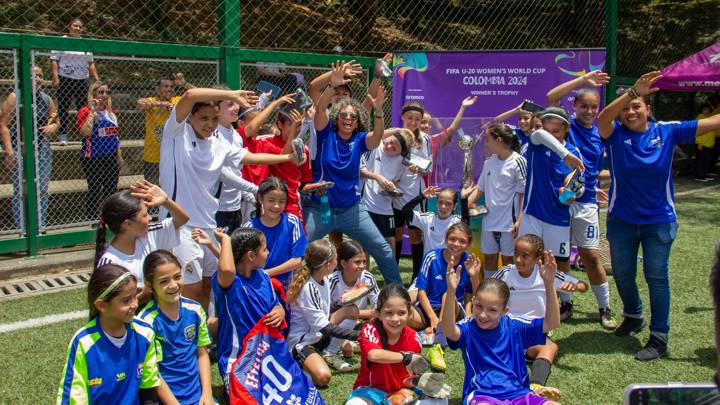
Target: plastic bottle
(566, 195)
(325, 214)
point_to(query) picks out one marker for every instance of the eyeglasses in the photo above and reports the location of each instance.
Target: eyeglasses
(348, 115)
(102, 92)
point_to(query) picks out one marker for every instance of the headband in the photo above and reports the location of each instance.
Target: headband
(412, 108)
(114, 285)
(558, 116)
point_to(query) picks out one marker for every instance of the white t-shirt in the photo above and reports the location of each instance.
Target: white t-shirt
(161, 235)
(527, 295)
(191, 169)
(309, 313)
(433, 228)
(391, 168)
(410, 183)
(338, 288)
(501, 181)
(72, 64)
(231, 196)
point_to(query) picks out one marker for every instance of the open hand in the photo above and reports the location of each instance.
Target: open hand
(643, 85)
(469, 101)
(152, 194)
(337, 76)
(379, 100)
(201, 237)
(548, 267)
(597, 78)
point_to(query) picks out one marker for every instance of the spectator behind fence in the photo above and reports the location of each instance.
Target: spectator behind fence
(46, 113)
(277, 74)
(70, 73)
(100, 153)
(157, 110)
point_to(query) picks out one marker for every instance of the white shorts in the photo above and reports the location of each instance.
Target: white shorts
(584, 225)
(556, 238)
(197, 261)
(492, 242)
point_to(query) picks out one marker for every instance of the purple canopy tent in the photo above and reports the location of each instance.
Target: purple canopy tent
(698, 72)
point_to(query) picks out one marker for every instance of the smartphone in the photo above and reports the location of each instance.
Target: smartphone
(531, 107)
(671, 394)
(264, 87)
(422, 164)
(302, 101)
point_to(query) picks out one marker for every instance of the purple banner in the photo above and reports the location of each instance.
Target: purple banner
(501, 80)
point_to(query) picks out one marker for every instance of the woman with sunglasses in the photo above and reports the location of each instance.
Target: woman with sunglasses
(342, 138)
(100, 153)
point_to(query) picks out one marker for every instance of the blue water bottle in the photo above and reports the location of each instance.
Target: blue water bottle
(325, 214)
(566, 195)
(574, 188)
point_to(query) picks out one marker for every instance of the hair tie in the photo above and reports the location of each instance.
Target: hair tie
(112, 286)
(101, 221)
(412, 108)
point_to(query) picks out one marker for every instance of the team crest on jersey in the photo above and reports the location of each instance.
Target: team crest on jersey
(139, 370)
(190, 333)
(628, 141)
(189, 268)
(656, 142)
(120, 377)
(95, 381)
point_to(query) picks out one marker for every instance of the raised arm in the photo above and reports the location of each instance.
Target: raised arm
(245, 99)
(253, 127)
(337, 78)
(317, 85)
(455, 124)
(552, 309)
(447, 316)
(642, 87)
(542, 137)
(508, 114)
(154, 196)
(596, 78)
(711, 123)
(226, 263)
(7, 111)
(373, 139)
(377, 80)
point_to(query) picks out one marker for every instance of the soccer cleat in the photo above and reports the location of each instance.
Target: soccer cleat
(606, 319)
(630, 326)
(337, 362)
(437, 358)
(654, 349)
(566, 310)
(552, 394)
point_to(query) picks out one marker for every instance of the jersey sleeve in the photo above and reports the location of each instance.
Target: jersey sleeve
(312, 309)
(481, 179)
(74, 384)
(163, 235)
(417, 220)
(531, 331)
(371, 283)
(82, 116)
(369, 338)
(683, 131)
(203, 336)
(561, 277)
(362, 142)
(422, 279)
(299, 240)
(173, 128)
(235, 155)
(150, 374)
(521, 175)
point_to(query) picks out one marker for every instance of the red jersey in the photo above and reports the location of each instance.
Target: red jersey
(385, 377)
(257, 173)
(292, 174)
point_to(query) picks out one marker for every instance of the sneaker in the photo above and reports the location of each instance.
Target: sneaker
(337, 362)
(566, 310)
(437, 358)
(655, 348)
(550, 393)
(630, 326)
(701, 180)
(606, 319)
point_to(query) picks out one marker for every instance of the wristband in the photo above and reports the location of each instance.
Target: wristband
(407, 357)
(381, 116)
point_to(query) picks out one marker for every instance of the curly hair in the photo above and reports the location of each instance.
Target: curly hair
(363, 117)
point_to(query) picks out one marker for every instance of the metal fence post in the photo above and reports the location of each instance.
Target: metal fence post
(229, 33)
(27, 134)
(611, 26)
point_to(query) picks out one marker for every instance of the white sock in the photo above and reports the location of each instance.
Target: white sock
(335, 343)
(602, 294)
(565, 296)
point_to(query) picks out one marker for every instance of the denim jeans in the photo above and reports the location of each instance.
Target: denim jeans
(43, 170)
(355, 222)
(656, 240)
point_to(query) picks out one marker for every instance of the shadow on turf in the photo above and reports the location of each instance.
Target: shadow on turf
(694, 310)
(598, 342)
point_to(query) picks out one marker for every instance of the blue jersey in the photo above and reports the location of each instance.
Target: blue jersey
(546, 174)
(338, 161)
(592, 149)
(521, 136)
(495, 358)
(641, 168)
(98, 372)
(178, 342)
(103, 140)
(239, 307)
(285, 241)
(431, 278)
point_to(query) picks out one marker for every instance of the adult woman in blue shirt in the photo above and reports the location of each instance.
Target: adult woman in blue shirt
(341, 140)
(641, 207)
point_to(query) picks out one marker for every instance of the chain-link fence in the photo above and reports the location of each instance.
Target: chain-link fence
(88, 156)
(11, 195)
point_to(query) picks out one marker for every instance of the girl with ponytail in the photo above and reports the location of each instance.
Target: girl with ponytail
(311, 323)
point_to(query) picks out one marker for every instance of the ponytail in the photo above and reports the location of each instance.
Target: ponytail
(116, 209)
(100, 242)
(317, 255)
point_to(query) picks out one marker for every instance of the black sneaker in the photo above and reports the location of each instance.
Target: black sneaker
(655, 348)
(630, 326)
(566, 310)
(606, 319)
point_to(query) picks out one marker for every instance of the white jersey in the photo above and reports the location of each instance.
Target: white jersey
(161, 235)
(412, 184)
(527, 294)
(309, 313)
(72, 64)
(231, 196)
(191, 169)
(433, 228)
(338, 288)
(390, 167)
(501, 181)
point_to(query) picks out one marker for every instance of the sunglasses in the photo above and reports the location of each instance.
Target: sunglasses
(348, 115)
(102, 92)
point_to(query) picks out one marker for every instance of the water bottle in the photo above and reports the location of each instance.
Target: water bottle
(325, 215)
(574, 188)
(566, 195)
